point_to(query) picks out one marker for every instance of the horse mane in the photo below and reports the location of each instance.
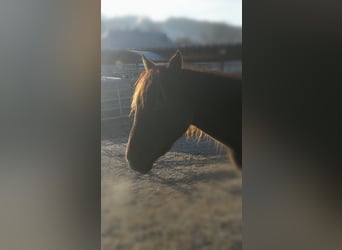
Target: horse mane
(140, 88)
(195, 132)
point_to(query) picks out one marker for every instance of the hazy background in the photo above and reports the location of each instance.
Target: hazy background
(227, 11)
(179, 31)
(176, 23)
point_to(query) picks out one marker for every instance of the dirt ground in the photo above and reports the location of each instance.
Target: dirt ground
(190, 200)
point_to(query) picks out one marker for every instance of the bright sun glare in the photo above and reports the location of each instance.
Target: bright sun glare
(229, 11)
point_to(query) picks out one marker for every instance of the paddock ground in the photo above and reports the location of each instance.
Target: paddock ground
(190, 200)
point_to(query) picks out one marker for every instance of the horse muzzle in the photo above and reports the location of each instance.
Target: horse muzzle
(140, 168)
(138, 165)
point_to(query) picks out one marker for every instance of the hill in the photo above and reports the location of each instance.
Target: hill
(181, 31)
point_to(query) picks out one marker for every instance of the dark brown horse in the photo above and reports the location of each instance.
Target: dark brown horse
(170, 100)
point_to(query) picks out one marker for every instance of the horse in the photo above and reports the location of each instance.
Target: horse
(171, 100)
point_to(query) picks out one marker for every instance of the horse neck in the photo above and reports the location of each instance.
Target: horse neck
(216, 104)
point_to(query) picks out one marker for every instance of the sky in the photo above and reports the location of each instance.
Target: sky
(228, 11)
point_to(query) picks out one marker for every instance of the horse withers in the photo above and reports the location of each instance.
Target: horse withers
(171, 100)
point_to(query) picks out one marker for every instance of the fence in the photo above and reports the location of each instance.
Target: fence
(116, 94)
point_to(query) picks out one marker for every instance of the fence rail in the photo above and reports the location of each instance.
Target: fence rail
(116, 95)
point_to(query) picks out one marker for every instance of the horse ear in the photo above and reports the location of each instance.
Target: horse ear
(176, 61)
(147, 63)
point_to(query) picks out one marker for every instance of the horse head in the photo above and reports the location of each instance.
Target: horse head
(160, 113)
